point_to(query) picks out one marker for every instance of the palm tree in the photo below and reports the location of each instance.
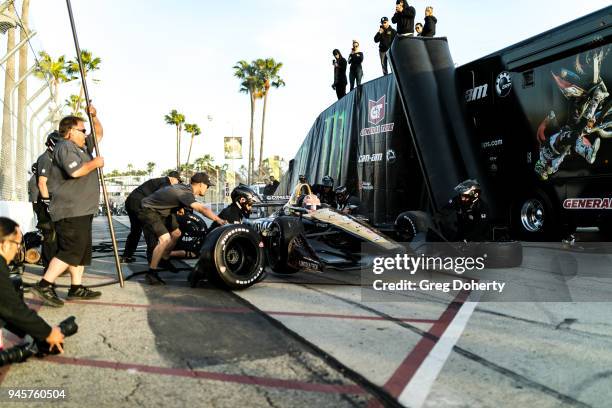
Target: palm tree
(22, 96)
(76, 105)
(194, 130)
(52, 70)
(268, 70)
(204, 162)
(130, 169)
(151, 167)
(6, 159)
(90, 63)
(251, 84)
(176, 119)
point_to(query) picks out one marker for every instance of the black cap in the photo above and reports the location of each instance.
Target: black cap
(382, 20)
(175, 174)
(201, 178)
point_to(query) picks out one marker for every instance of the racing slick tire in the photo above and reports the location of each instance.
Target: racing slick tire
(231, 257)
(410, 223)
(281, 232)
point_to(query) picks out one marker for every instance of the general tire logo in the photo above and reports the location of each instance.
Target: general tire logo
(588, 204)
(503, 84)
(376, 110)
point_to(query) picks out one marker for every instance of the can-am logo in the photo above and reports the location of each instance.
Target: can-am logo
(476, 93)
(376, 110)
(588, 204)
(503, 84)
(370, 158)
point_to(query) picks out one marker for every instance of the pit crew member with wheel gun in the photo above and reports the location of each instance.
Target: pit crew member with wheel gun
(15, 316)
(243, 199)
(158, 216)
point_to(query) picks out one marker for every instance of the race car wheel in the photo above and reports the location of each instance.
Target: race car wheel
(409, 223)
(281, 232)
(232, 256)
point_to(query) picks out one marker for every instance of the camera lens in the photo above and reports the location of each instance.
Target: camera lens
(69, 326)
(15, 354)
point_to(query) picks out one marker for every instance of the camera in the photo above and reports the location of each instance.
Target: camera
(20, 353)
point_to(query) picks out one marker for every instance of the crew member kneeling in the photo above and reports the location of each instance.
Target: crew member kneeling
(243, 199)
(15, 316)
(159, 220)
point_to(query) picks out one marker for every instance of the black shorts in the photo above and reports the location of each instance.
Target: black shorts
(157, 224)
(74, 240)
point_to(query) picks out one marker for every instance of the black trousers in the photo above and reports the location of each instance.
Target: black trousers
(133, 238)
(340, 91)
(355, 75)
(46, 227)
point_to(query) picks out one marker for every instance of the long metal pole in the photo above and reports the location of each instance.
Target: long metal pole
(93, 131)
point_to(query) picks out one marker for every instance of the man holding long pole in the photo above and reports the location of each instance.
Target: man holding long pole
(76, 194)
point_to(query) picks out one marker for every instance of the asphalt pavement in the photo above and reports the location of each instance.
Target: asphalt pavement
(312, 340)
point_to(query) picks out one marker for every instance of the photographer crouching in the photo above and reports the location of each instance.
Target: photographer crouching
(15, 316)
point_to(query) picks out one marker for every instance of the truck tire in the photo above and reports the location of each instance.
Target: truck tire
(534, 218)
(410, 223)
(232, 257)
(284, 230)
(605, 228)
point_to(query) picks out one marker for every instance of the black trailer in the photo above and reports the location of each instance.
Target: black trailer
(540, 110)
(530, 122)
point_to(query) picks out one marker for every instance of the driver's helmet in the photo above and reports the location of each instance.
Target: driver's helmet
(302, 179)
(468, 193)
(52, 140)
(311, 202)
(341, 193)
(327, 181)
(243, 191)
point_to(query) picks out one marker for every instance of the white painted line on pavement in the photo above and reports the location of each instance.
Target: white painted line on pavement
(417, 390)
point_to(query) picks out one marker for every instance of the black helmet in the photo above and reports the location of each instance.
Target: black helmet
(328, 181)
(52, 140)
(243, 191)
(302, 178)
(341, 193)
(468, 193)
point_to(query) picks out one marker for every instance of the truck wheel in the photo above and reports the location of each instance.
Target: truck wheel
(282, 231)
(231, 257)
(606, 229)
(535, 219)
(408, 224)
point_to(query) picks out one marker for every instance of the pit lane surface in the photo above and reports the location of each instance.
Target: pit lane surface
(310, 340)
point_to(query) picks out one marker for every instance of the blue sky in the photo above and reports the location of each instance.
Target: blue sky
(159, 55)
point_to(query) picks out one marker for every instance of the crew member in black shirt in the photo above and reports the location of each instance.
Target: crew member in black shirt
(75, 198)
(404, 18)
(133, 206)
(346, 203)
(384, 37)
(243, 199)
(355, 60)
(340, 80)
(15, 316)
(159, 220)
(429, 29)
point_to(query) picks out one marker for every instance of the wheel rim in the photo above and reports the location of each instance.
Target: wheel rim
(532, 215)
(240, 256)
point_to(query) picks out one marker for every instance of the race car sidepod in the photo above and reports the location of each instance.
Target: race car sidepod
(232, 256)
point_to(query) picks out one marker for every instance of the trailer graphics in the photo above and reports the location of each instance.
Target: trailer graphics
(586, 119)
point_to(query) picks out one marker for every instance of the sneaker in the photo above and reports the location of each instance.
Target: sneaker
(127, 259)
(167, 265)
(152, 278)
(83, 293)
(47, 295)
